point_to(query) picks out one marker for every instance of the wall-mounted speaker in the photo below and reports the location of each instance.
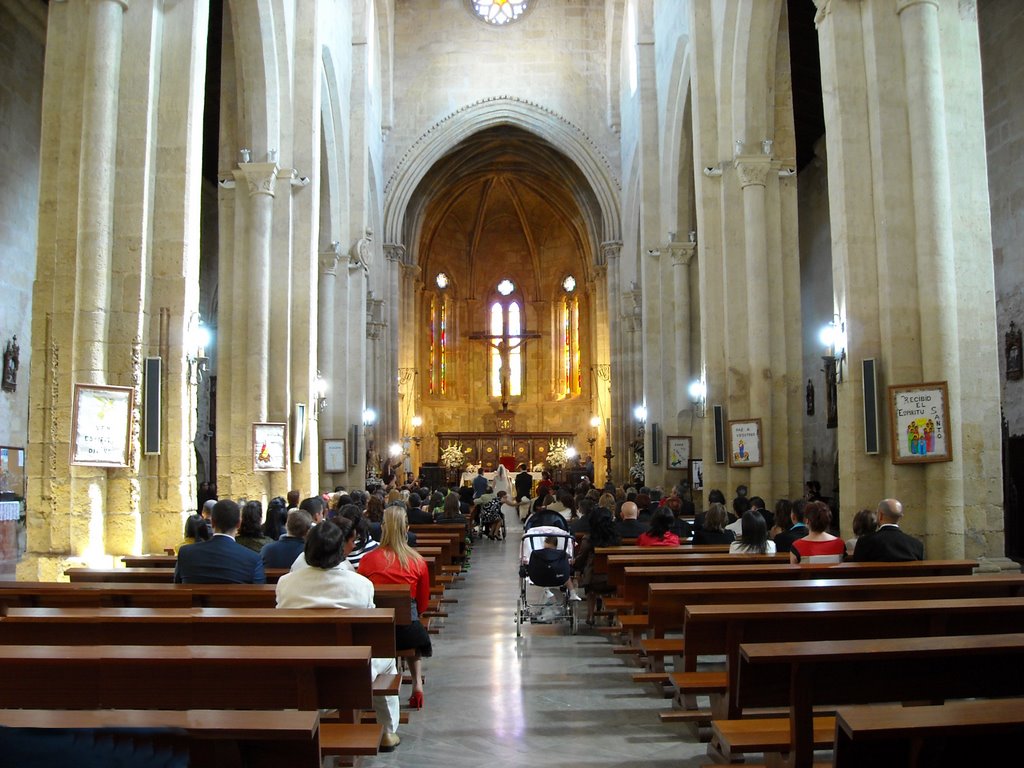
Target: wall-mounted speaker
(870, 382)
(353, 446)
(655, 443)
(152, 388)
(719, 434)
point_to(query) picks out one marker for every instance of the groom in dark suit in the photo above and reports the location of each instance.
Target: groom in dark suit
(888, 544)
(220, 560)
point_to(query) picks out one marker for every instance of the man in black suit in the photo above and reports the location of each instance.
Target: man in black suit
(220, 560)
(627, 526)
(888, 544)
(524, 483)
(283, 552)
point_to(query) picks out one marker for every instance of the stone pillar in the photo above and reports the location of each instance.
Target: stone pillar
(937, 296)
(356, 357)
(261, 181)
(327, 317)
(619, 415)
(394, 255)
(681, 255)
(753, 174)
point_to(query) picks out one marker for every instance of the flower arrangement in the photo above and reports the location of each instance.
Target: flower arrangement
(558, 455)
(636, 472)
(453, 456)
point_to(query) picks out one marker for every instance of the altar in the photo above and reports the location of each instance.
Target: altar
(487, 448)
(467, 478)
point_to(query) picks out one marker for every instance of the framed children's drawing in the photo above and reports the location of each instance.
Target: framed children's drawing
(101, 425)
(745, 443)
(269, 445)
(919, 423)
(678, 453)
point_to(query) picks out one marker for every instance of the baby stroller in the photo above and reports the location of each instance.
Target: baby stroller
(546, 570)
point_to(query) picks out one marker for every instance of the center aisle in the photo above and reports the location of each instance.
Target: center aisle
(548, 699)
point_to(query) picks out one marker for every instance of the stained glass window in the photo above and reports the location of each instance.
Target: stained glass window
(499, 12)
(443, 373)
(506, 286)
(437, 346)
(506, 323)
(515, 353)
(572, 377)
(432, 335)
(441, 280)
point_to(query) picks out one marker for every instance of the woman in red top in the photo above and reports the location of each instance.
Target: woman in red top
(659, 535)
(818, 546)
(395, 562)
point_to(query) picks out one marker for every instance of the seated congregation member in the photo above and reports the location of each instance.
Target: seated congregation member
(660, 533)
(489, 514)
(888, 544)
(325, 584)
(395, 562)
(864, 522)
(220, 560)
(250, 532)
(740, 505)
(818, 546)
(714, 497)
(282, 553)
(451, 512)
(363, 540)
(586, 508)
(680, 526)
(275, 525)
(782, 519)
(602, 534)
(628, 527)
(196, 529)
(374, 515)
(714, 531)
(418, 513)
(546, 516)
(314, 505)
(753, 538)
(798, 529)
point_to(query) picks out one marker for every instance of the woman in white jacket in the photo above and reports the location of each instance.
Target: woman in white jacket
(326, 583)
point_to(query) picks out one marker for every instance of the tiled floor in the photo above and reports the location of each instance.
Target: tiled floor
(547, 699)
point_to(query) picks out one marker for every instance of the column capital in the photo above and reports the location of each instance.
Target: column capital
(610, 249)
(261, 177)
(753, 170)
(122, 3)
(394, 252)
(681, 253)
(902, 5)
(329, 259)
(824, 8)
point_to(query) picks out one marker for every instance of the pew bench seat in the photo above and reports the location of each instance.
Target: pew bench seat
(735, 738)
(350, 739)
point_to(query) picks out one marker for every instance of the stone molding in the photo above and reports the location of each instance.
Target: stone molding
(329, 260)
(394, 252)
(824, 8)
(902, 5)
(472, 118)
(122, 3)
(375, 322)
(610, 249)
(753, 170)
(681, 253)
(261, 178)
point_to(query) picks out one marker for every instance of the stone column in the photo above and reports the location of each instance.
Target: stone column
(327, 302)
(753, 174)
(261, 179)
(681, 255)
(619, 417)
(394, 254)
(936, 295)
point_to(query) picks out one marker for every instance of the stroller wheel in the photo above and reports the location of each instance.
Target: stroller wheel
(519, 617)
(574, 621)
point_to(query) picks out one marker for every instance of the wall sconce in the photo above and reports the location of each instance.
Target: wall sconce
(199, 339)
(698, 392)
(766, 147)
(395, 450)
(417, 423)
(640, 414)
(369, 417)
(833, 337)
(321, 393)
(693, 237)
(272, 155)
(245, 154)
(595, 423)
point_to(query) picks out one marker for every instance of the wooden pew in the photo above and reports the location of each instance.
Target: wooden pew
(192, 677)
(803, 675)
(46, 594)
(965, 732)
(149, 561)
(617, 564)
(714, 630)
(210, 738)
(667, 603)
(601, 554)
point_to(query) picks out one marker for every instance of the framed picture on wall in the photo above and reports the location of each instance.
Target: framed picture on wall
(697, 474)
(335, 456)
(269, 446)
(678, 453)
(101, 425)
(919, 423)
(745, 441)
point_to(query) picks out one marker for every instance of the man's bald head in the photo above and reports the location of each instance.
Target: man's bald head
(890, 511)
(629, 511)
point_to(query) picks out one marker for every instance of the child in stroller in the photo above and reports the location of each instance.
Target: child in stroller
(546, 561)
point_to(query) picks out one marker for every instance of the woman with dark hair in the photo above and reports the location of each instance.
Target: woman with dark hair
(659, 534)
(364, 540)
(753, 538)
(864, 522)
(250, 530)
(374, 515)
(395, 562)
(602, 534)
(716, 497)
(196, 529)
(326, 584)
(277, 514)
(451, 512)
(714, 531)
(680, 527)
(783, 519)
(818, 546)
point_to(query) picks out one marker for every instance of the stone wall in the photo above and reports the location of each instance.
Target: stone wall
(1001, 27)
(21, 85)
